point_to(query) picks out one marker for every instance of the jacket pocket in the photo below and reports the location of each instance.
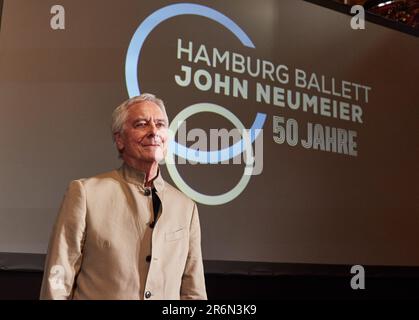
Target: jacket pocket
(103, 243)
(175, 235)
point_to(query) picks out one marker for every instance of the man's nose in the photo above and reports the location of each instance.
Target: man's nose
(152, 129)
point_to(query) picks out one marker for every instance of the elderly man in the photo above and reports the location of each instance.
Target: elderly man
(127, 234)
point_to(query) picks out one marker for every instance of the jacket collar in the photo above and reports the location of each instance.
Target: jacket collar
(134, 176)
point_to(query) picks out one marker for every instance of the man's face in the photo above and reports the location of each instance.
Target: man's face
(144, 134)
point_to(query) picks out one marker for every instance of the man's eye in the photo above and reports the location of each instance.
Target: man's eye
(160, 125)
(140, 124)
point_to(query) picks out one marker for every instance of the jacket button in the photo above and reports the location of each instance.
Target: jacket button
(152, 224)
(147, 192)
(148, 258)
(147, 294)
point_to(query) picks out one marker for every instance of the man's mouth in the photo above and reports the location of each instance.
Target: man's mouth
(151, 145)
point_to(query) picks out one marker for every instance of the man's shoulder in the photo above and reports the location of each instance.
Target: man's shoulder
(102, 179)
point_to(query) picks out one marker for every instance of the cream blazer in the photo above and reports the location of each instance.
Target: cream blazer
(104, 245)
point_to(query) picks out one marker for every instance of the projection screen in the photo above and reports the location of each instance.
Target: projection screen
(330, 115)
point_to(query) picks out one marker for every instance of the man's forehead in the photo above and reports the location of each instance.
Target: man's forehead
(145, 109)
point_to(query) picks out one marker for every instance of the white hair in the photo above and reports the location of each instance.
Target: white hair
(119, 115)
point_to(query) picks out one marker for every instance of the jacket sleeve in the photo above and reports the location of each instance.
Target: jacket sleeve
(66, 243)
(193, 280)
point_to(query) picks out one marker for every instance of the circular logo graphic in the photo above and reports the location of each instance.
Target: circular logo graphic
(170, 159)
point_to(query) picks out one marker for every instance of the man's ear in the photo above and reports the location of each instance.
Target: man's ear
(119, 141)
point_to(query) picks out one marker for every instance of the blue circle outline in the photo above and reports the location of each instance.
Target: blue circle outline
(133, 86)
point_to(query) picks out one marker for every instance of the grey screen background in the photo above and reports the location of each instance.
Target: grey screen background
(58, 89)
(1, 8)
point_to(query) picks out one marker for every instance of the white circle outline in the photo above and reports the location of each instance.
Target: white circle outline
(170, 160)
